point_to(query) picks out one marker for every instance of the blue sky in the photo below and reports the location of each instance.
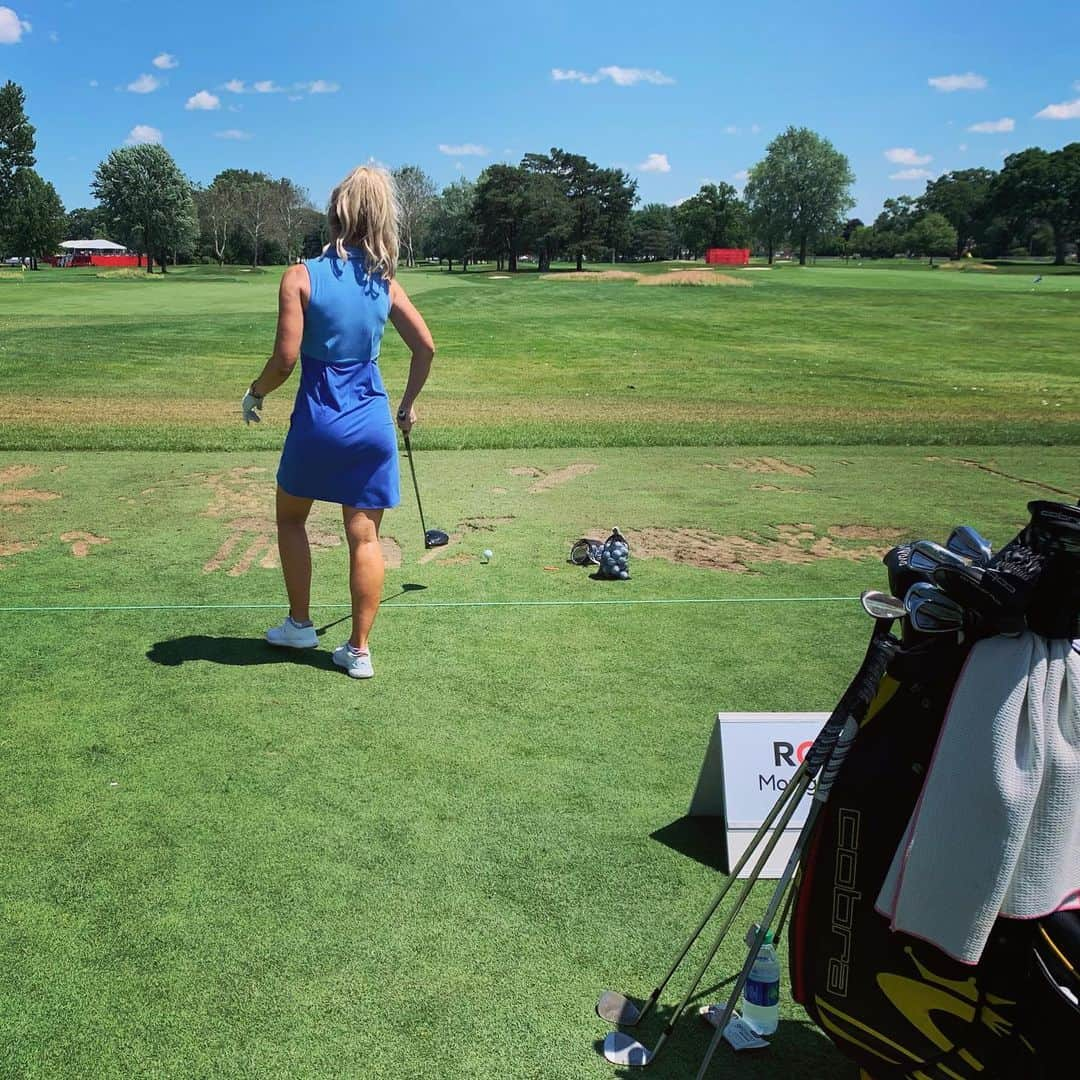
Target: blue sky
(676, 94)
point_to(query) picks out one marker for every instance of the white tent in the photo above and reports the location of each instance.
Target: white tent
(101, 246)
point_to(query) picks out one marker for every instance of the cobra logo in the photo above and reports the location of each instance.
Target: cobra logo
(845, 900)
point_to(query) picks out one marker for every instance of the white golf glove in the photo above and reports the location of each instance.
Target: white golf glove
(250, 407)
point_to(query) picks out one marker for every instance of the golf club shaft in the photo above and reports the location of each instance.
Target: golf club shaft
(777, 806)
(748, 885)
(843, 744)
(416, 487)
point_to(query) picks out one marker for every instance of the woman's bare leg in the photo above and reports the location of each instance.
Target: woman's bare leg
(366, 570)
(295, 553)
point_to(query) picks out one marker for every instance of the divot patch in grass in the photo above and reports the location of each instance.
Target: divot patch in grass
(562, 476)
(795, 544)
(82, 542)
(767, 465)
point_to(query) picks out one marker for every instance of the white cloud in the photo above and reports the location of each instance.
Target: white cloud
(144, 84)
(236, 108)
(143, 133)
(1064, 110)
(906, 155)
(947, 84)
(233, 133)
(165, 61)
(620, 76)
(235, 86)
(456, 150)
(911, 174)
(93, 82)
(962, 147)
(54, 37)
(203, 101)
(12, 27)
(321, 86)
(731, 129)
(266, 86)
(994, 127)
(655, 163)
(741, 176)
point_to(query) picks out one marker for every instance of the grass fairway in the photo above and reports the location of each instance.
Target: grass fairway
(222, 861)
(92, 360)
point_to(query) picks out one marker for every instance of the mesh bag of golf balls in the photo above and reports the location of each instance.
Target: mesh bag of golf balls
(615, 558)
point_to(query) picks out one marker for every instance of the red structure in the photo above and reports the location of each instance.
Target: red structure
(96, 260)
(728, 256)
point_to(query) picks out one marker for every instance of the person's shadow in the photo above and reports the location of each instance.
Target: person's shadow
(246, 651)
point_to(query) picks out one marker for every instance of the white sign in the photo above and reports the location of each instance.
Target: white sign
(749, 762)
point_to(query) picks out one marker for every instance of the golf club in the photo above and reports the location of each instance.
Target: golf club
(933, 611)
(926, 557)
(624, 1011)
(622, 1049)
(855, 704)
(432, 537)
(970, 545)
(880, 605)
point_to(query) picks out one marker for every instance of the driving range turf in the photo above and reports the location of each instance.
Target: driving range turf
(222, 860)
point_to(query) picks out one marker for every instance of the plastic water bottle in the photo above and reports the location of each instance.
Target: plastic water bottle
(761, 995)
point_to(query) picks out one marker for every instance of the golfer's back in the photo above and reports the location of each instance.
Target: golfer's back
(342, 446)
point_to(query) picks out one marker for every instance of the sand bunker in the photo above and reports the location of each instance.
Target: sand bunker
(693, 277)
(965, 265)
(592, 275)
(795, 544)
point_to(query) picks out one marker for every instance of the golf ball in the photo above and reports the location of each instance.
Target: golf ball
(488, 555)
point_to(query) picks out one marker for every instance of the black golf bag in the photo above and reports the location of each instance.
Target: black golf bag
(897, 1005)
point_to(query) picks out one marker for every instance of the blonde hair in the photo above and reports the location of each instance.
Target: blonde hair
(363, 213)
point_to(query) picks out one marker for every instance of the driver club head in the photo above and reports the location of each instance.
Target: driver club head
(618, 1009)
(970, 544)
(436, 538)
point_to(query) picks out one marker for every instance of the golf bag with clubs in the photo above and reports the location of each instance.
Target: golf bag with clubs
(893, 1001)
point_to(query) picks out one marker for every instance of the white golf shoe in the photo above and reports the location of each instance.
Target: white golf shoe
(291, 636)
(358, 666)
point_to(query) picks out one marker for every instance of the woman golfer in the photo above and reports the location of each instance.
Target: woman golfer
(341, 446)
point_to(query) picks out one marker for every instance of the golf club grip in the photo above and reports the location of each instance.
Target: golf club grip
(856, 699)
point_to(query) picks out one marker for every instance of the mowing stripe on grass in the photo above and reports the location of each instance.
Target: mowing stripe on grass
(44, 610)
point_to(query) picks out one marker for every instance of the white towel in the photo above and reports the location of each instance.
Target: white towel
(996, 831)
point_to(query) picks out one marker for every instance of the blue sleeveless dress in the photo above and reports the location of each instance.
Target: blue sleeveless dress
(342, 443)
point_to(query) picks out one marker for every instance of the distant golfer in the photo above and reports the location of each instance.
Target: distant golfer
(341, 446)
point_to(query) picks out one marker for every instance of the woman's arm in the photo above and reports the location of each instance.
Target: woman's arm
(409, 323)
(292, 297)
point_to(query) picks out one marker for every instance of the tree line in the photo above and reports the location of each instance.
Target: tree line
(554, 205)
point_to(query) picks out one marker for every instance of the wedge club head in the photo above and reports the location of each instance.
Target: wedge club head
(618, 1009)
(623, 1049)
(881, 605)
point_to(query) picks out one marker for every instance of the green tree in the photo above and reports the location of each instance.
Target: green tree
(453, 234)
(416, 196)
(714, 217)
(1035, 185)
(767, 208)
(16, 142)
(218, 207)
(549, 219)
(87, 223)
(599, 200)
(653, 234)
(35, 220)
(812, 182)
(502, 206)
(148, 200)
(963, 198)
(932, 234)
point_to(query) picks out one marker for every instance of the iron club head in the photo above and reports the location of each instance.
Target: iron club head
(971, 545)
(623, 1049)
(926, 557)
(881, 605)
